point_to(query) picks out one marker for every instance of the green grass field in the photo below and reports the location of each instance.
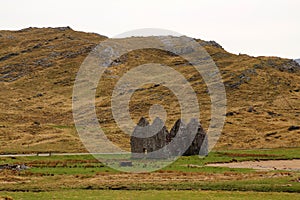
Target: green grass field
(147, 195)
(75, 177)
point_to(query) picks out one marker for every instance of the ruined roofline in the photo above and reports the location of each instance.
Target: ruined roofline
(143, 122)
(179, 141)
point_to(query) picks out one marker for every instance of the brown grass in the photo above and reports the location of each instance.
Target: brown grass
(33, 123)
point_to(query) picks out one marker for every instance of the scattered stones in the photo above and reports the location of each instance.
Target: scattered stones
(180, 63)
(21, 65)
(82, 51)
(8, 56)
(250, 71)
(37, 46)
(258, 66)
(44, 62)
(126, 164)
(243, 77)
(63, 28)
(10, 37)
(184, 50)
(120, 60)
(26, 50)
(293, 128)
(56, 28)
(230, 114)
(271, 134)
(289, 66)
(232, 85)
(38, 95)
(36, 123)
(14, 167)
(211, 43)
(54, 54)
(251, 109)
(273, 114)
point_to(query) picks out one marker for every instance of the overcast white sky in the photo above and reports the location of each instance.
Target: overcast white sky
(255, 27)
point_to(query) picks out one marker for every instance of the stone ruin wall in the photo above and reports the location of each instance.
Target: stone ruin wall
(147, 139)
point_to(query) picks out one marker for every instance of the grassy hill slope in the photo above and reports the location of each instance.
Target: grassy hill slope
(38, 68)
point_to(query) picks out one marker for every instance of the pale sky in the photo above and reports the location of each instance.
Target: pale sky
(254, 27)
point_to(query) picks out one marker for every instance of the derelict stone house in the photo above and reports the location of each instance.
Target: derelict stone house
(148, 138)
(154, 141)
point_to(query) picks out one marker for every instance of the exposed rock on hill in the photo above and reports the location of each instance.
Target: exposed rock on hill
(45, 61)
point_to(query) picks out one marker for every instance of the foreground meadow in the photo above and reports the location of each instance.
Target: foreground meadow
(78, 176)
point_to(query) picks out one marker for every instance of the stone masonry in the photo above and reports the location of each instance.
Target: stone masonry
(155, 141)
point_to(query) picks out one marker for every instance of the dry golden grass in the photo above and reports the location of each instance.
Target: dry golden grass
(103, 180)
(48, 60)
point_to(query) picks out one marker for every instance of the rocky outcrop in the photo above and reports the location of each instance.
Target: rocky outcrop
(30, 50)
(290, 66)
(13, 167)
(211, 43)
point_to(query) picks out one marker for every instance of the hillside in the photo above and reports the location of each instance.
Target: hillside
(298, 61)
(38, 67)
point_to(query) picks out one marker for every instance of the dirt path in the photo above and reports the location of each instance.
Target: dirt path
(57, 154)
(293, 165)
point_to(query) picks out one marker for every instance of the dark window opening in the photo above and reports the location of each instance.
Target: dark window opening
(144, 150)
